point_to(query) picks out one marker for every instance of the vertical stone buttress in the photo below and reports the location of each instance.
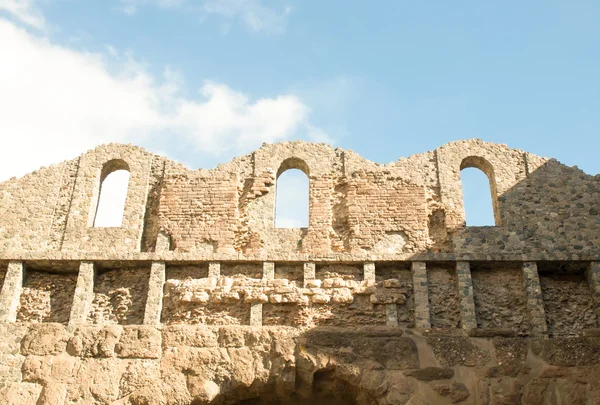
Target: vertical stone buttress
(257, 308)
(214, 269)
(535, 303)
(154, 300)
(468, 319)
(309, 272)
(84, 294)
(268, 270)
(391, 314)
(421, 295)
(369, 272)
(593, 276)
(11, 292)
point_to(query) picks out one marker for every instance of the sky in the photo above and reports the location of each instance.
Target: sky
(202, 81)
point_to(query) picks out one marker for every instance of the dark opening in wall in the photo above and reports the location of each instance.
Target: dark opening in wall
(292, 198)
(114, 182)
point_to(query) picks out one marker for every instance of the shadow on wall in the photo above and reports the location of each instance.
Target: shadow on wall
(553, 213)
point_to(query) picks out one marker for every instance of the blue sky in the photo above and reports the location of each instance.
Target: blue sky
(202, 81)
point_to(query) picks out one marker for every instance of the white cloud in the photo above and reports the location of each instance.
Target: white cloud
(253, 13)
(24, 11)
(258, 17)
(56, 102)
(131, 6)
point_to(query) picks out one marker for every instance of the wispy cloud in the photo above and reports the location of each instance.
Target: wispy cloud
(56, 102)
(254, 14)
(25, 11)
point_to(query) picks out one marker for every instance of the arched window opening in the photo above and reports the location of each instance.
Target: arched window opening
(479, 192)
(114, 182)
(291, 199)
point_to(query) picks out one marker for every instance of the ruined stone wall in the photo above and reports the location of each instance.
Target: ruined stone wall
(543, 209)
(386, 298)
(198, 213)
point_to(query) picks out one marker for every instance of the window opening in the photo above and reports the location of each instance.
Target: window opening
(111, 201)
(291, 199)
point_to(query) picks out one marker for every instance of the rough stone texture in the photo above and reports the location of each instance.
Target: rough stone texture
(46, 297)
(385, 298)
(500, 300)
(443, 296)
(535, 302)
(568, 301)
(120, 296)
(84, 294)
(468, 317)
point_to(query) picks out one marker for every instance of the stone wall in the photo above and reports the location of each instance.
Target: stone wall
(182, 365)
(386, 298)
(409, 208)
(46, 297)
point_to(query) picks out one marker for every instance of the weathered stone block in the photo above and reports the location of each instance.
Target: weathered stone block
(142, 342)
(95, 341)
(45, 338)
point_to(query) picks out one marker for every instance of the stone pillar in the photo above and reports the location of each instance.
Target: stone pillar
(256, 314)
(369, 272)
(468, 318)
(421, 295)
(309, 272)
(391, 314)
(535, 303)
(257, 308)
(593, 276)
(268, 270)
(154, 299)
(214, 269)
(11, 292)
(84, 294)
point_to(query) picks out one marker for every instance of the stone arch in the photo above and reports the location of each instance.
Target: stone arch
(302, 217)
(482, 164)
(107, 189)
(293, 163)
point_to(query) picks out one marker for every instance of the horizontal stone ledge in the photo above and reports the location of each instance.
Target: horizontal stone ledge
(492, 332)
(49, 258)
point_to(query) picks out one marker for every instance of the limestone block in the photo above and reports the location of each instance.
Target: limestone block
(95, 341)
(190, 335)
(313, 283)
(61, 368)
(154, 300)
(256, 297)
(200, 297)
(139, 341)
(392, 283)
(230, 336)
(278, 283)
(45, 338)
(321, 298)
(10, 292)
(342, 296)
(21, 393)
